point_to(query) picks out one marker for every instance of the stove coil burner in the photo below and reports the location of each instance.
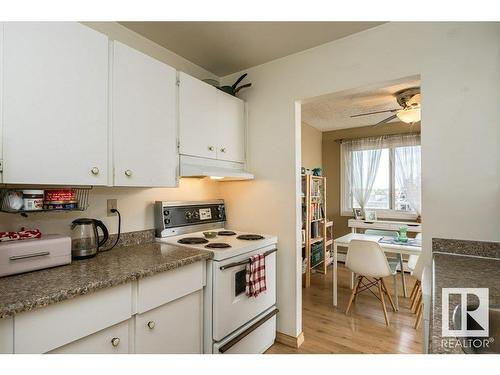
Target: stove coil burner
(226, 233)
(250, 237)
(192, 240)
(217, 245)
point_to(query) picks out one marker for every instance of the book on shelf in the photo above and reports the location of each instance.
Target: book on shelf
(317, 211)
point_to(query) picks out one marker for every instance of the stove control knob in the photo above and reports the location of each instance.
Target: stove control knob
(166, 212)
(167, 221)
(196, 215)
(189, 215)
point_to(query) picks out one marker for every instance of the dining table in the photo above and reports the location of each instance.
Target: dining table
(409, 248)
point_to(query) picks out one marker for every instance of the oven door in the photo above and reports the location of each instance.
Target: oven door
(231, 307)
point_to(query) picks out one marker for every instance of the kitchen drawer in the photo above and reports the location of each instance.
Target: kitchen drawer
(157, 290)
(44, 329)
(6, 336)
(173, 328)
(112, 340)
(255, 338)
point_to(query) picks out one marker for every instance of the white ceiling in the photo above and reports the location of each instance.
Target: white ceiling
(228, 47)
(333, 111)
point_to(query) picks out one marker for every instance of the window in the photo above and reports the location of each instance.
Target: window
(384, 174)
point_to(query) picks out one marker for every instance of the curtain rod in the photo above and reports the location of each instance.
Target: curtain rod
(340, 140)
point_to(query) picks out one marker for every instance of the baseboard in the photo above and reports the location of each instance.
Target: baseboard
(294, 342)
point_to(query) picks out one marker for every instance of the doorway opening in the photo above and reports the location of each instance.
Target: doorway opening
(360, 153)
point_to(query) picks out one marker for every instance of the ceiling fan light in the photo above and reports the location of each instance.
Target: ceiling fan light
(409, 115)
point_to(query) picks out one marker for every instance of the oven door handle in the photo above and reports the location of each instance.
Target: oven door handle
(224, 348)
(236, 264)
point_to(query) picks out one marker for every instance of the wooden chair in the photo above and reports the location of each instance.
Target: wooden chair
(416, 292)
(415, 264)
(367, 260)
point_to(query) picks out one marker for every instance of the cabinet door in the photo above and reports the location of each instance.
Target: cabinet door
(230, 128)
(112, 340)
(173, 328)
(144, 120)
(55, 84)
(197, 117)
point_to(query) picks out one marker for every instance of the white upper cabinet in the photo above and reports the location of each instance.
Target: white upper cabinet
(230, 128)
(212, 123)
(143, 119)
(197, 117)
(55, 104)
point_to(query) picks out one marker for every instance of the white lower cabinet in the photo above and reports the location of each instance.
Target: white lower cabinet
(157, 314)
(48, 328)
(7, 335)
(176, 327)
(112, 340)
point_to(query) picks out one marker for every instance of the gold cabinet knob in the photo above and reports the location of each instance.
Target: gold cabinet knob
(151, 324)
(210, 148)
(128, 173)
(115, 341)
(95, 171)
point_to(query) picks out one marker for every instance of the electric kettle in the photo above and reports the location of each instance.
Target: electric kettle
(85, 238)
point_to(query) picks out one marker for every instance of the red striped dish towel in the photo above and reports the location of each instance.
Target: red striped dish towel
(256, 275)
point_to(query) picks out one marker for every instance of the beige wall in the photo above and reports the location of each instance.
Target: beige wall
(331, 165)
(459, 68)
(135, 204)
(311, 139)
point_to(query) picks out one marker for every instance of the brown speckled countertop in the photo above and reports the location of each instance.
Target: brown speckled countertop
(466, 268)
(36, 289)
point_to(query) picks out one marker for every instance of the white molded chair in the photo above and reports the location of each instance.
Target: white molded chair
(395, 261)
(367, 260)
(412, 260)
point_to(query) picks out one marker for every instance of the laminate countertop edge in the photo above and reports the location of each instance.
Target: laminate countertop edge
(37, 289)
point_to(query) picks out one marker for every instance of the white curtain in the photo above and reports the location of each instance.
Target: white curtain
(361, 162)
(408, 170)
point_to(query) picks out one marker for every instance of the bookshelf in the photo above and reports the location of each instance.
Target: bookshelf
(316, 229)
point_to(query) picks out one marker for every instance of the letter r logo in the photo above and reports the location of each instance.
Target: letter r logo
(460, 316)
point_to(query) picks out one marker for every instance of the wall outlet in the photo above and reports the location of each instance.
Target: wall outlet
(112, 204)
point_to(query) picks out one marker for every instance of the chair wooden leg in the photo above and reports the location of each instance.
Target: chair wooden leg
(353, 294)
(420, 312)
(414, 300)
(358, 284)
(388, 294)
(414, 290)
(417, 301)
(379, 283)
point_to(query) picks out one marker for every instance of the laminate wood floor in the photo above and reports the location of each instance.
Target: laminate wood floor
(329, 330)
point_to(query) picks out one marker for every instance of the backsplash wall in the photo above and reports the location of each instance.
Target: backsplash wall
(134, 204)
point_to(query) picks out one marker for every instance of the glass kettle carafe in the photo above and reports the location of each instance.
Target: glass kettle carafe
(85, 237)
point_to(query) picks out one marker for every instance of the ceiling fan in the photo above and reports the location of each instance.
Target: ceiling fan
(409, 100)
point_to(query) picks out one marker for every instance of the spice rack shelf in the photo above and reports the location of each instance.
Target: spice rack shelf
(82, 197)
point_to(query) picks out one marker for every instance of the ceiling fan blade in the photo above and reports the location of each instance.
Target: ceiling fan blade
(390, 118)
(374, 113)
